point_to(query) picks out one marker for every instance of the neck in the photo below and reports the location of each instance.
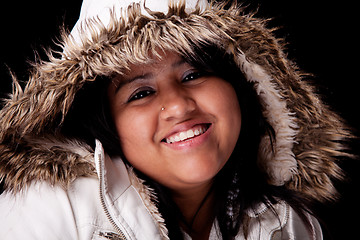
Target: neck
(197, 207)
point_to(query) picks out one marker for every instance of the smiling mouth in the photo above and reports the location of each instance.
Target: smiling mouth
(188, 134)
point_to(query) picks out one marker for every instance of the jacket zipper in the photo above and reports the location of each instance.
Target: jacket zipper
(120, 233)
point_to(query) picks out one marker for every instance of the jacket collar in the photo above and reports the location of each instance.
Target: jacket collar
(112, 173)
(127, 202)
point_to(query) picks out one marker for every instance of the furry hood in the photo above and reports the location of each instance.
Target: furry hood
(308, 136)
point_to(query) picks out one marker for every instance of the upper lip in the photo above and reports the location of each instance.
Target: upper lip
(184, 126)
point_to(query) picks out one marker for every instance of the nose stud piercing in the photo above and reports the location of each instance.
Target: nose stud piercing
(162, 109)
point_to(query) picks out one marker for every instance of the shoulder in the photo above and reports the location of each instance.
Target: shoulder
(280, 221)
(25, 213)
(43, 211)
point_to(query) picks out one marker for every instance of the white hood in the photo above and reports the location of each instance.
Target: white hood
(101, 10)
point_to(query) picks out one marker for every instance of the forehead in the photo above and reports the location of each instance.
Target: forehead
(163, 60)
(167, 61)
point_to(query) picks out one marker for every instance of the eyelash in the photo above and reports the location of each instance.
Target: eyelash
(139, 94)
(193, 75)
(145, 92)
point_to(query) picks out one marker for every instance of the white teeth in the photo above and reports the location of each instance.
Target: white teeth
(190, 133)
(182, 136)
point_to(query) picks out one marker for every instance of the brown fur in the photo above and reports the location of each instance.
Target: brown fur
(33, 116)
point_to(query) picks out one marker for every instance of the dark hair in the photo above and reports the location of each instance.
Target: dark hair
(239, 186)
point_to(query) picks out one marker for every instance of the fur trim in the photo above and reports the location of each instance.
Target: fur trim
(279, 164)
(149, 198)
(309, 137)
(44, 159)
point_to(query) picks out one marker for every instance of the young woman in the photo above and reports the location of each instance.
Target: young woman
(180, 120)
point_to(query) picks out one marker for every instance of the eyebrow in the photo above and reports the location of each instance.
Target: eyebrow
(124, 82)
(145, 76)
(178, 63)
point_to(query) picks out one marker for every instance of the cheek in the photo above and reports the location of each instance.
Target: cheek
(221, 101)
(135, 130)
(131, 127)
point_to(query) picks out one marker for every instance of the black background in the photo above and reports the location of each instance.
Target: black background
(322, 39)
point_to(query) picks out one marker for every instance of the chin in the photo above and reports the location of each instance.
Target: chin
(200, 173)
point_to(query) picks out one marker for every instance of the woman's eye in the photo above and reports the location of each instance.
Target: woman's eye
(192, 76)
(140, 94)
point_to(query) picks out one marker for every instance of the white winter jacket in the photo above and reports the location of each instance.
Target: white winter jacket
(53, 188)
(116, 205)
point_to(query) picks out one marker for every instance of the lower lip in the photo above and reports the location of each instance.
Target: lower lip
(190, 143)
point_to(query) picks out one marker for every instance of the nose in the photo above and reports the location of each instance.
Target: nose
(176, 103)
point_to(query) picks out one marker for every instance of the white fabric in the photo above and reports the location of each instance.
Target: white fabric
(100, 10)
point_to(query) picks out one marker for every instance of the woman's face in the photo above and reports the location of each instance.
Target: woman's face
(176, 124)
